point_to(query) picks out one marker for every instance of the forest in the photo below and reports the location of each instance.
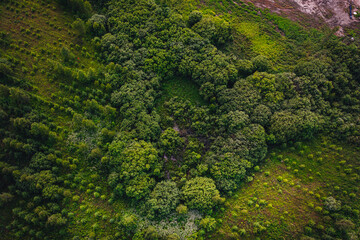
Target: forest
(170, 119)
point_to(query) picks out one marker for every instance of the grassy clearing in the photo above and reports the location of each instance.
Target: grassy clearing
(287, 194)
(182, 88)
(260, 42)
(92, 216)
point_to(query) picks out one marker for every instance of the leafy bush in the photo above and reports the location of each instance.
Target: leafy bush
(332, 204)
(208, 223)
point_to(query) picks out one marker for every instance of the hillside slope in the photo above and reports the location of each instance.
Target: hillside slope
(332, 12)
(171, 119)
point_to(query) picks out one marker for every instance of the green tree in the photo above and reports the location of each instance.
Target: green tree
(217, 30)
(244, 67)
(261, 115)
(171, 141)
(163, 199)
(288, 125)
(5, 198)
(228, 171)
(194, 17)
(139, 187)
(234, 121)
(267, 86)
(79, 26)
(67, 55)
(201, 193)
(332, 204)
(261, 63)
(41, 161)
(56, 220)
(136, 163)
(97, 25)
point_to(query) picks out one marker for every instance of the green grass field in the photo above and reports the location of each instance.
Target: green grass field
(287, 194)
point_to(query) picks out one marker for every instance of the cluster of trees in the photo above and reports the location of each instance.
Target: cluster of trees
(250, 105)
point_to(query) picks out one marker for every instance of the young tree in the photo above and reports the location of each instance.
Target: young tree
(79, 26)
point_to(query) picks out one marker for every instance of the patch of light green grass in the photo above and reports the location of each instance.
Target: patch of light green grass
(261, 43)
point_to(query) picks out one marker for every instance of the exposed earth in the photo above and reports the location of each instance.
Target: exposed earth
(333, 12)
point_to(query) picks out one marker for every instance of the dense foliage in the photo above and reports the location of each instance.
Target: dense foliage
(106, 132)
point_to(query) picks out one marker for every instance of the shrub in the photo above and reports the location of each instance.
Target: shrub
(345, 225)
(318, 209)
(332, 204)
(262, 202)
(308, 230)
(76, 198)
(311, 223)
(208, 223)
(173, 236)
(128, 221)
(97, 214)
(181, 209)
(235, 228)
(5, 198)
